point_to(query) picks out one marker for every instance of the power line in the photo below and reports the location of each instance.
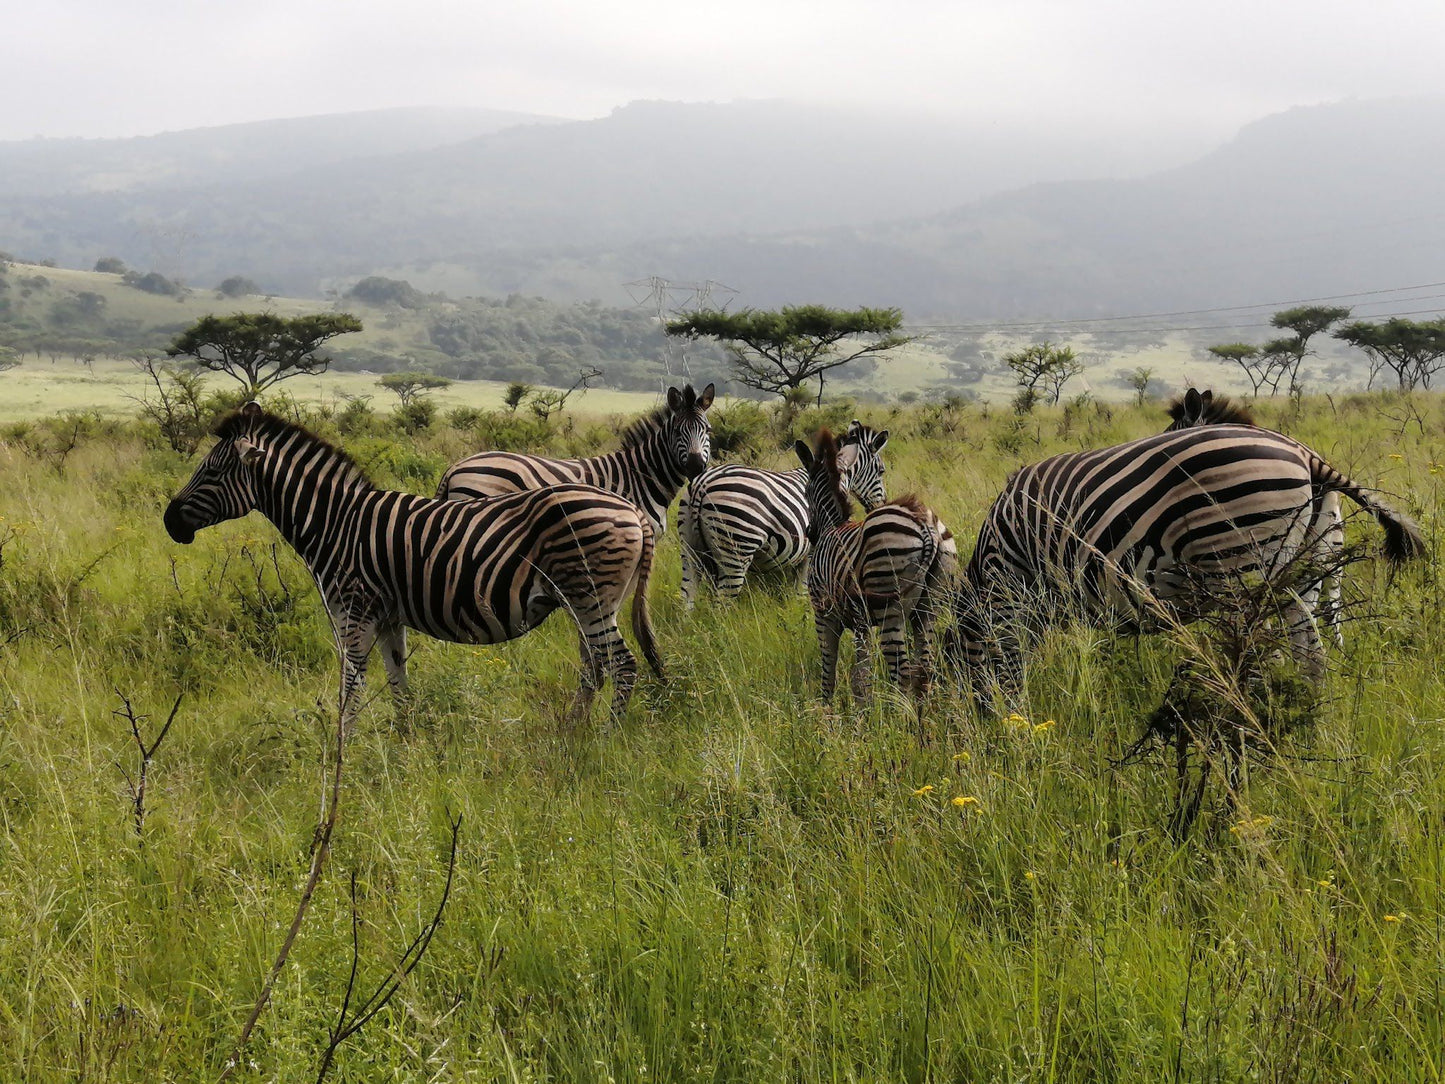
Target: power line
(1025, 325)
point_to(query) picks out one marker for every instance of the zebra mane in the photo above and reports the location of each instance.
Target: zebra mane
(1218, 410)
(640, 431)
(827, 459)
(242, 423)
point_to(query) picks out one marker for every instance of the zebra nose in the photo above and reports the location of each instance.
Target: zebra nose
(696, 461)
(176, 526)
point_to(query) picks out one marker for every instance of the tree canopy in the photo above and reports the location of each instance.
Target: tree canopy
(1042, 364)
(408, 386)
(780, 350)
(259, 349)
(1413, 350)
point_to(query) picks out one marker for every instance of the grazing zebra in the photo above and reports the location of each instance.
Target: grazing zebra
(734, 518)
(659, 453)
(1133, 534)
(885, 570)
(1327, 520)
(476, 572)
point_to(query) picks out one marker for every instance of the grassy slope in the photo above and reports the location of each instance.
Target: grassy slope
(730, 884)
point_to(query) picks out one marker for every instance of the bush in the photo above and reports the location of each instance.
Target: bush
(414, 417)
(465, 419)
(739, 430)
(110, 265)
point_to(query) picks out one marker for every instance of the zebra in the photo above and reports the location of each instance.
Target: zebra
(734, 517)
(659, 453)
(1327, 520)
(477, 572)
(885, 570)
(1126, 536)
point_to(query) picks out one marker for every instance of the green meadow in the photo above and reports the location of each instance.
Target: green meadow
(735, 881)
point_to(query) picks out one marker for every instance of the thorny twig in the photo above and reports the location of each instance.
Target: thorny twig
(137, 786)
(344, 1028)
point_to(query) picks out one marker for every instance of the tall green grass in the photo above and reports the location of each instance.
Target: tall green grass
(732, 883)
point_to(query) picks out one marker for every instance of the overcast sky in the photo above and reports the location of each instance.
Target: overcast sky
(131, 67)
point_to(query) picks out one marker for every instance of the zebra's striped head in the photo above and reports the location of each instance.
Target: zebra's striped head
(861, 462)
(1196, 407)
(828, 504)
(689, 433)
(223, 486)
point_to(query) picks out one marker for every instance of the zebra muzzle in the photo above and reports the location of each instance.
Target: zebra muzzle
(177, 527)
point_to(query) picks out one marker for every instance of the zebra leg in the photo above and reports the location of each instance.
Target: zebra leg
(830, 631)
(622, 664)
(893, 636)
(732, 573)
(1304, 638)
(920, 624)
(355, 641)
(861, 679)
(392, 640)
(592, 672)
(689, 539)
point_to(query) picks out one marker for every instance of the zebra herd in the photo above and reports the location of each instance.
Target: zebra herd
(1128, 536)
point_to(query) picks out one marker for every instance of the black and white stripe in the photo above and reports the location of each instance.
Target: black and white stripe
(887, 570)
(735, 518)
(476, 572)
(1323, 594)
(1135, 534)
(659, 453)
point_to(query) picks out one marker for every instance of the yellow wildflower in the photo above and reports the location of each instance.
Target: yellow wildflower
(962, 758)
(1047, 724)
(1392, 918)
(964, 800)
(927, 788)
(1029, 875)
(1396, 455)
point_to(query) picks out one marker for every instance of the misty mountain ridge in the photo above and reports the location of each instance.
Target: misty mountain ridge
(238, 152)
(648, 171)
(799, 203)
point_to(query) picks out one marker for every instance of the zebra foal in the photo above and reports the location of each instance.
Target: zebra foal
(735, 518)
(886, 570)
(477, 572)
(1143, 533)
(659, 453)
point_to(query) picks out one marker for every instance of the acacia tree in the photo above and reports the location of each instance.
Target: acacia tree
(779, 351)
(259, 349)
(1413, 350)
(1260, 369)
(1305, 322)
(410, 386)
(1042, 364)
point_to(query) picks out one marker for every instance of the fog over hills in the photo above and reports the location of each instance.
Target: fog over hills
(783, 202)
(236, 152)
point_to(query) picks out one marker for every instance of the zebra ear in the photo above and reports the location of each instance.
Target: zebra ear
(705, 399)
(805, 454)
(248, 451)
(879, 439)
(1193, 406)
(674, 400)
(251, 409)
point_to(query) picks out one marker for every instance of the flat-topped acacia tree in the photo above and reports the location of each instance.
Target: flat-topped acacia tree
(779, 350)
(259, 349)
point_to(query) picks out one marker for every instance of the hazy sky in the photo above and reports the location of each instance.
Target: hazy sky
(128, 67)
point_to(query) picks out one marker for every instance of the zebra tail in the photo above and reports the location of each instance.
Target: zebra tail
(641, 616)
(1403, 538)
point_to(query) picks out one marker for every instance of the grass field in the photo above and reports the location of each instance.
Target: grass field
(733, 883)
